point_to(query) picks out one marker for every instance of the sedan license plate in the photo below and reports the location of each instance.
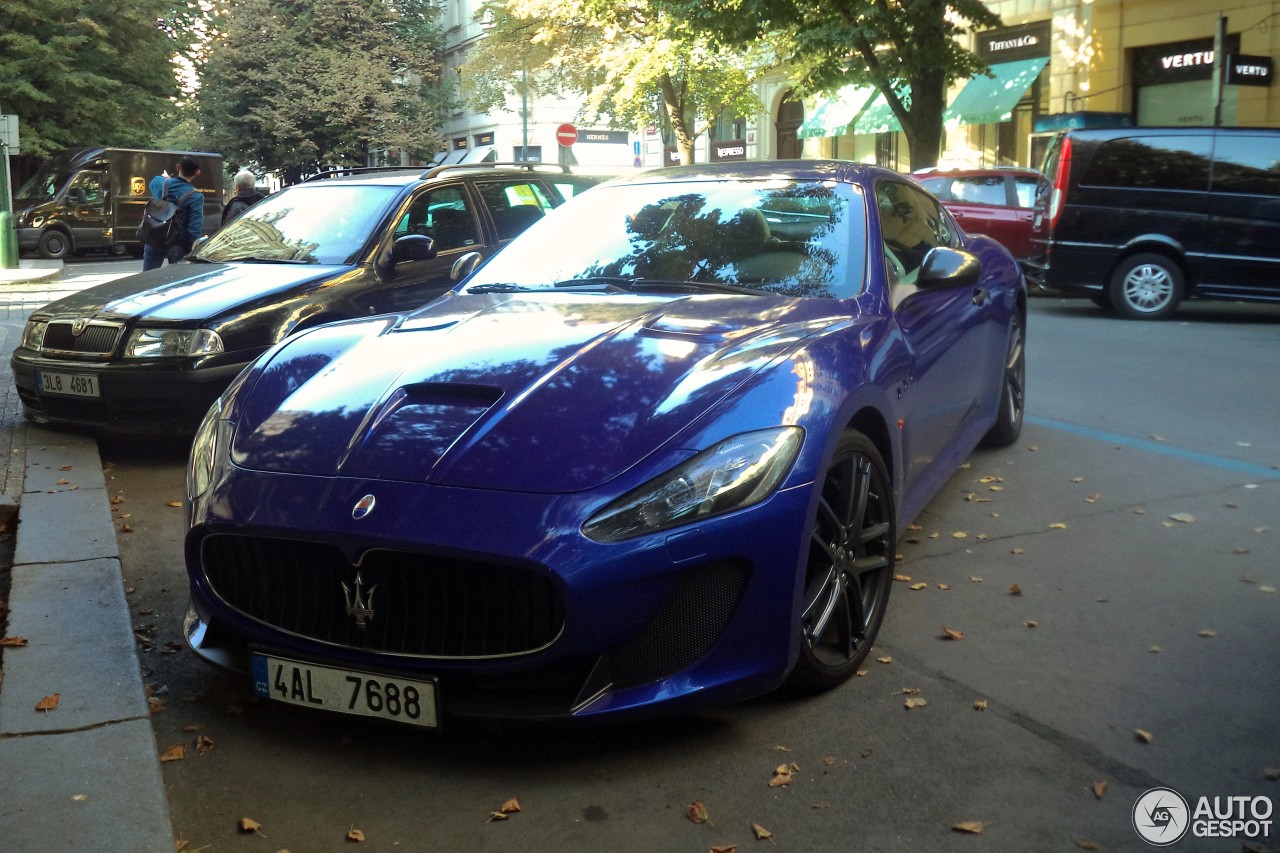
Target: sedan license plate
(73, 384)
(345, 691)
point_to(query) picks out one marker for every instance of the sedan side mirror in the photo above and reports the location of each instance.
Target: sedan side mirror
(465, 266)
(946, 267)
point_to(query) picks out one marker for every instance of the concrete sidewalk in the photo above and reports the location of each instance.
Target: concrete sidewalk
(85, 774)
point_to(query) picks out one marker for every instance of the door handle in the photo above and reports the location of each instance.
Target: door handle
(981, 295)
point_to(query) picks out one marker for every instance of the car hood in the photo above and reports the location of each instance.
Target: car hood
(185, 292)
(539, 393)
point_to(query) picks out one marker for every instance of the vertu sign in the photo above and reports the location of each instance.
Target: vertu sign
(1250, 70)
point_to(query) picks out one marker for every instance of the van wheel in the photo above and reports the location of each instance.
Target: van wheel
(117, 250)
(1146, 287)
(54, 245)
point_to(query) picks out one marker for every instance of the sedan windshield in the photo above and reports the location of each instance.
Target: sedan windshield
(308, 223)
(791, 238)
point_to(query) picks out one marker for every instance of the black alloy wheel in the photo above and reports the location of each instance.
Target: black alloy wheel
(849, 570)
(1008, 425)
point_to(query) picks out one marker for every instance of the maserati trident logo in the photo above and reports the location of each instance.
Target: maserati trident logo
(79, 325)
(359, 602)
(363, 507)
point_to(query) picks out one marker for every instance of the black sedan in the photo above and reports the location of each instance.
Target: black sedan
(150, 352)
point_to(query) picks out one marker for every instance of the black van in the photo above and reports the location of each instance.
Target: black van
(1139, 219)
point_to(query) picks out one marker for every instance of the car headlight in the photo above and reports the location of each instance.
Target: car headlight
(734, 474)
(33, 335)
(159, 343)
(209, 442)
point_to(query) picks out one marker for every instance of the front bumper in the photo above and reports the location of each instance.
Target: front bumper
(672, 622)
(144, 398)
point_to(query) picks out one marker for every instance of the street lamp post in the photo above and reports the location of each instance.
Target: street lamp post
(524, 108)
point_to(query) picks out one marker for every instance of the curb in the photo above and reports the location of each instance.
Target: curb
(86, 772)
(29, 271)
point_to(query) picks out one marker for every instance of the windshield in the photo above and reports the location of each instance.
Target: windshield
(791, 238)
(42, 186)
(308, 223)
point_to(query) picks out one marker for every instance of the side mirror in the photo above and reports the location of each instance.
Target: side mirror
(946, 267)
(412, 247)
(75, 195)
(465, 266)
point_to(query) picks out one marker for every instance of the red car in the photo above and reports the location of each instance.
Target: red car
(995, 202)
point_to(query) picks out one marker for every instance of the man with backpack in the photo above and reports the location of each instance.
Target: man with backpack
(188, 219)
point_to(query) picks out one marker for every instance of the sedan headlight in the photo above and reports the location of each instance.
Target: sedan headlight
(159, 343)
(33, 335)
(732, 475)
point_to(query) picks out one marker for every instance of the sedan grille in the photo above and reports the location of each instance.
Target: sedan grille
(96, 338)
(392, 602)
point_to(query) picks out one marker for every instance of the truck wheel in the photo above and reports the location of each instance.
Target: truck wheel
(117, 250)
(54, 245)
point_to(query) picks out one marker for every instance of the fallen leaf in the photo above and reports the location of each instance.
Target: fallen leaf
(1139, 511)
(1057, 525)
(498, 816)
(902, 578)
(830, 760)
(1099, 788)
(1077, 479)
(914, 527)
(914, 702)
(248, 824)
(1143, 736)
(972, 827)
(1208, 632)
(727, 848)
(919, 586)
(190, 728)
(1031, 623)
(952, 634)
(1239, 550)
(118, 499)
(1084, 844)
(1016, 551)
(49, 702)
(1157, 438)
(983, 537)
(979, 704)
(1267, 589)
(156, 705)
(204, 744)
(959, 534)
(355, 835)
(12, 642)
(781, 776)
(909, 691)
(934, 535)
(1014, 589)
(511, 806)
(1272, 773)
(970, 497)
(80, 798)
(177, 752)
(760, 831)
(1261, 529)
(974, 579)
(1155, 650)
(64, 482)
(698, 812)
(885, 659)
(124, 528)
(944, 586)
(1184, 517)
(1091, 499)
(996, 488)
(914, 540)
(177, 504)
(66, 468)
(988, 479)
(862, 673)
(1033, 447)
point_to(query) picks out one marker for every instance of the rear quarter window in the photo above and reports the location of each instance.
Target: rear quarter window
(1249, 165)
(1151, 162)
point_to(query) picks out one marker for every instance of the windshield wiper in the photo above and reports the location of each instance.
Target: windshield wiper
(501, 287)
(637, 285)
(256, 260)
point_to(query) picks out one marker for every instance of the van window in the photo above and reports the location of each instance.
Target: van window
(1247, 164)
(1152, 163)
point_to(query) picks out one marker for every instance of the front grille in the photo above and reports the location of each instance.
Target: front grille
(97, 338)
(416, 604)
(685, 629)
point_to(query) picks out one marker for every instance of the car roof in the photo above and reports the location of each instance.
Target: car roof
(967, 173)
(400, 176)
(803, 170)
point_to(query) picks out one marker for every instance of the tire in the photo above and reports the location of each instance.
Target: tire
(849, 567)
(1013, 388)
(54, 245)
(1147, 287)
(117, 250)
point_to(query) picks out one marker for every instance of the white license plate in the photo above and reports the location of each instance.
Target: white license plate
(345, 691)
(74, 384)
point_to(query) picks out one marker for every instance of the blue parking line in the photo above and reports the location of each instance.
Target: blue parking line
(1225, 462)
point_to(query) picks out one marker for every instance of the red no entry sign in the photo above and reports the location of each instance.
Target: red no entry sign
(566, 134)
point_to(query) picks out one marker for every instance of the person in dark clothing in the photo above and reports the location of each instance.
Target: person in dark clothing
(173, 189)
(246, 196)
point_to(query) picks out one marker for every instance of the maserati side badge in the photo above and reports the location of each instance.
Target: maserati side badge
(363, 507)
(359, 602)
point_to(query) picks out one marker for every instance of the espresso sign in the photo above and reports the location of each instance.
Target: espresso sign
(729, 149)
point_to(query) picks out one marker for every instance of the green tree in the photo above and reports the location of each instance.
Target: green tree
(885, 43)
(299, 85)
(632, 64)
(79, 74)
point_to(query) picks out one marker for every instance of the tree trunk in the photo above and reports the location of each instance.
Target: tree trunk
(923, 126)
(671, 102)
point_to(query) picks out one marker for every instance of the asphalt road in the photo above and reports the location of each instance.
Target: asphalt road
(1138, 518)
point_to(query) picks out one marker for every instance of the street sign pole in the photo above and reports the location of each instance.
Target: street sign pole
(8, 234)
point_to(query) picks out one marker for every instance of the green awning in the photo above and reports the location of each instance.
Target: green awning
(835, 111)
(986, 100)
(878, 117)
